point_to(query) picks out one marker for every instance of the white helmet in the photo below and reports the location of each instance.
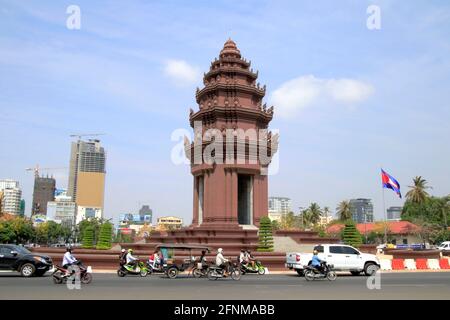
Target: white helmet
(219, 250)
(123, 250)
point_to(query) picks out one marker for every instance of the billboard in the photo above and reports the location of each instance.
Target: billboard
(134, 218)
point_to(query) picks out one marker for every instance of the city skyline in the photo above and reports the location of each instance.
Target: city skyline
(136, 80)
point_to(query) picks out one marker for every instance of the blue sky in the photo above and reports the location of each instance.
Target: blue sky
(347, 99)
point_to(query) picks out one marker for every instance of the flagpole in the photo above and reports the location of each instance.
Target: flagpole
(384, 212)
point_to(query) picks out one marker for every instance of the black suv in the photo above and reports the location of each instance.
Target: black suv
(17, 258)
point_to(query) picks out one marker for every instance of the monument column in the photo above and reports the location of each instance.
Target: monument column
(230, 100)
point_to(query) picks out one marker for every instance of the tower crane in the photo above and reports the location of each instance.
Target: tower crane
(86, 135)
(37, 168)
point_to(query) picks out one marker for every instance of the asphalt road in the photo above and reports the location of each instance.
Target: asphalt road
(281, 286)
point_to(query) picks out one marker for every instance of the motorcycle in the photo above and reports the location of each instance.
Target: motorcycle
(79, 271)
(156, 268)
(140, 269)
(200, 270)
(247, 268)
(216, 272)
(312, 273)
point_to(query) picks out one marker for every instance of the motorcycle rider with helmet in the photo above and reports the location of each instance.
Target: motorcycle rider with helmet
(68, 260)
(222, 262)
(131, 260)
(316, 262)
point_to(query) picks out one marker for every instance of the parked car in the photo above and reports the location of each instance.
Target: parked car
(444, 246)
(342, 257)
(18, 258)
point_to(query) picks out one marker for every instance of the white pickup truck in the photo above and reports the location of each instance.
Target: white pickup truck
(342, 257)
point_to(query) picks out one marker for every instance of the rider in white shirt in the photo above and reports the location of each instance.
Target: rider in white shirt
(221, 261)
(131, 260)
(68, 258)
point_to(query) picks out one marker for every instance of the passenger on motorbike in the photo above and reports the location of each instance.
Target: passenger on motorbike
(123, 257)
(250, 259)
(131, 260)
(243, 257)
(316, 262)
(222, 262)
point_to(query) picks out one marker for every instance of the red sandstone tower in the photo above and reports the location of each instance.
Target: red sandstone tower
(231, 190)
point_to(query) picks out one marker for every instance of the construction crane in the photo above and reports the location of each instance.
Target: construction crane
(86, 135)
(37, 168)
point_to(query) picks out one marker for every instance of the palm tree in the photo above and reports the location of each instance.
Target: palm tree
(326, 211)
(315, 213)
(343, 210)
(417, 194)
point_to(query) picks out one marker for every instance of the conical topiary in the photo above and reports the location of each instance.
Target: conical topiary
(105, 237)
(351, 235)
(88, 238)
(265, 235)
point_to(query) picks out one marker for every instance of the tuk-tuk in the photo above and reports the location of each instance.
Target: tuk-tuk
(171, 268)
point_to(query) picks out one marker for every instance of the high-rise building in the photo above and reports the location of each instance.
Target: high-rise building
(8, 184)
(146, 214)
(12, 195)
(362, 210)
(394, 213)
(44, 191)
(279, 206)
(87, 177)
(22, 207)
(62, 210)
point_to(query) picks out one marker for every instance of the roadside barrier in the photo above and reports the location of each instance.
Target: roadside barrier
(443, 263)
(433, 264)
(410, 264)
(385, 264)
(398, 264)
(421, 264)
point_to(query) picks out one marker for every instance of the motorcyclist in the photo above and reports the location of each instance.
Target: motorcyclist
(316, 262)
(68, 260)
(202, 258)
(131, 260)
(250, 259)
(243, 257)
(221, 261)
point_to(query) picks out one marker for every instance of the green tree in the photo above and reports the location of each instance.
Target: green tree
(23, 229)
(314, 213)
(95, 223)
(88, 237)
(343, 211)
(7, 234)
(265, 235)
(417, 194)
(287, 221)
(275, 225)
(351, 235)
(105, 237)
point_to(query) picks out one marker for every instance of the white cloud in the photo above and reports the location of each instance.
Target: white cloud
(306, 91)
(181, 72)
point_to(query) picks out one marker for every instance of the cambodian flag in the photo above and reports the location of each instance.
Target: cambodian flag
(390, 183)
